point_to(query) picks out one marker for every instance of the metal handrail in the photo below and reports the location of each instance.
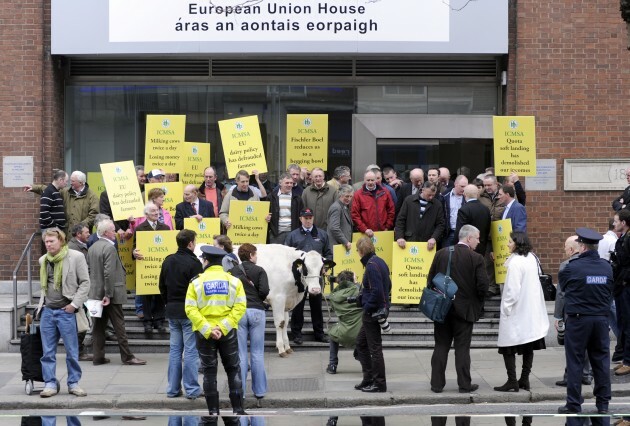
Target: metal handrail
(25, 253)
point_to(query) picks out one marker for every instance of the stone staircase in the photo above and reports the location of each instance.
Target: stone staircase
(410, 329)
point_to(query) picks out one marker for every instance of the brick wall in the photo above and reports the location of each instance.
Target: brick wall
(31, 106)
(569, 67)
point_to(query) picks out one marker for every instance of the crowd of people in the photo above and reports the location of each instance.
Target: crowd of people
(218, 304)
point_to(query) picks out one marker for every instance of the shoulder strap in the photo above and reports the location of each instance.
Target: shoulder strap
(240, 266)
(540, 269)
(451, 249)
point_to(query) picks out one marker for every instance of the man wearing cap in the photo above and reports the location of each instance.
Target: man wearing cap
(587, 285)
(307, 238)
(215, 302)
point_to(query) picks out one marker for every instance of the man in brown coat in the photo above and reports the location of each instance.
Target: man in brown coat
(468, 272)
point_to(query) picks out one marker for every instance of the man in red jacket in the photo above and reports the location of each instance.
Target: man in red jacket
(373, 209)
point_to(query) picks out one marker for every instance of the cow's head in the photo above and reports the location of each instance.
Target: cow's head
(312, 267)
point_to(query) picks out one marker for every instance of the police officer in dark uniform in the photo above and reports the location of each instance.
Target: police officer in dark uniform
(587, 283)
(308, 238)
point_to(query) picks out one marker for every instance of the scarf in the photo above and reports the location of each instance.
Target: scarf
(423, 206)
(57, 261)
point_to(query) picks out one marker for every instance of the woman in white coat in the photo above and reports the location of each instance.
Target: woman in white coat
(523, 323)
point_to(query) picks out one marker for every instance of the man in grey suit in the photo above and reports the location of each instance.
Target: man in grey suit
(339, 219)
(107, 276)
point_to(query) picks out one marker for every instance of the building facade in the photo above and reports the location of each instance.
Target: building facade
(410, 87)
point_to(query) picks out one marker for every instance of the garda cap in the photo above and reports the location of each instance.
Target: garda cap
(211, 251)
(306, 213)
(588, 236)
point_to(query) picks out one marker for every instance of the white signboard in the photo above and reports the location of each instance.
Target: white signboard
(269, 20)
(17, 171)
(545, 179)
(279, 26)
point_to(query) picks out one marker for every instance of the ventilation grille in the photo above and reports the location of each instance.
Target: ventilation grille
(426, 68)
(79, 67)
(139, 67)
(281, 68)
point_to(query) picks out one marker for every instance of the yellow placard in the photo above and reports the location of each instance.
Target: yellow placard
(196, 159)
(173, 194)
(248, 222)
(154, 246)
(307, 140)
(500, 233)
(123, 189)
(514, 145)
(163, 143)
(410, 271)
(96, 183)
(206, 229)
(382, 241)
(347, 259)
(125, 249)
(242, 145)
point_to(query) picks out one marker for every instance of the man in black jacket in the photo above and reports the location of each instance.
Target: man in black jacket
(284, 207)
(476, 214)
(177, 271)
(467, 270)
(420, 219)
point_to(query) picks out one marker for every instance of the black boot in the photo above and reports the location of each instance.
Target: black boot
(236, 399)
(510, 366)
(528, 360)
(212, 401)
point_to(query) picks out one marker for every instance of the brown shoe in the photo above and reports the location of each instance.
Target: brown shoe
(86, 357)
(101, 361)
(135, 361)
(617, 367)
(622, 371)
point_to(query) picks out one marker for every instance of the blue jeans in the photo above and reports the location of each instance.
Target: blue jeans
(182, 341)
(57, 323)
(138, 304)
(52, 421)
(252, 324)
(183, 421)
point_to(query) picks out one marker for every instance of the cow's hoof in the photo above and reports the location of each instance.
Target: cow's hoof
(283, 355)
(289, 351)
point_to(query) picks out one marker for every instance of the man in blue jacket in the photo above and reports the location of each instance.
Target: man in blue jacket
(514, 210)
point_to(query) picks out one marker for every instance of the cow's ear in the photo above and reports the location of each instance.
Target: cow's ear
(329, 263)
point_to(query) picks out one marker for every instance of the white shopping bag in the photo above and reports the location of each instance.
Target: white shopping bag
(94, 307)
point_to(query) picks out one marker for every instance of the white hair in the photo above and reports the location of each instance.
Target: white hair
(79, 175)
(148, 205)
(103, 226)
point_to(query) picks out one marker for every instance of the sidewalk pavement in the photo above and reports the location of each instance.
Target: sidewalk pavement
(299, 381)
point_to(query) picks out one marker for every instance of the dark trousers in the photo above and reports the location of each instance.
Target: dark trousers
(621, 313)
(370, 351)
(587, 334)
(113, 312)
(297, 316)
(441, 421)
(624, 328)
(227, 347)
(153, 308)
(459, 330)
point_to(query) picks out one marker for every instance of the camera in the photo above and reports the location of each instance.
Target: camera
(561, 333)
(381, 317)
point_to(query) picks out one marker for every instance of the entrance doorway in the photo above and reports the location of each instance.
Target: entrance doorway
(421, 140)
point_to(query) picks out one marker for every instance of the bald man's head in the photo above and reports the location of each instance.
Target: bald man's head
(571, 246)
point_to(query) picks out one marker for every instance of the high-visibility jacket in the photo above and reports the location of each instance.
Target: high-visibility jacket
(215, 298)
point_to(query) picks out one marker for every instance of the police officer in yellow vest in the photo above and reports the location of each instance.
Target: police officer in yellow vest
(215, 302)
